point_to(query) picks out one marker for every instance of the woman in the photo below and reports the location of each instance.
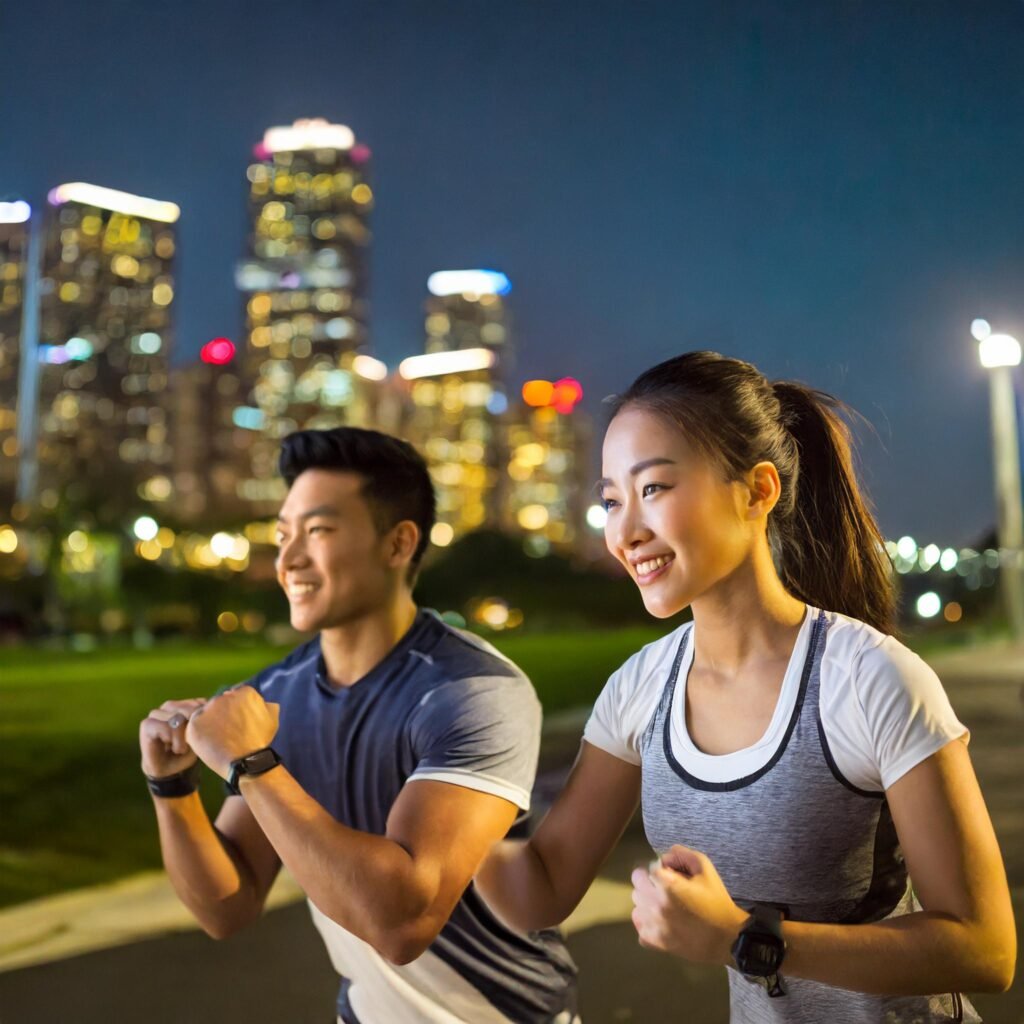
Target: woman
(795, 762)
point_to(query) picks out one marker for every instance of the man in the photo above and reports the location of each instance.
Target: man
(379, 761)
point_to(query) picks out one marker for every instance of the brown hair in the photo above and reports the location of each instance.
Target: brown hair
(825, 542)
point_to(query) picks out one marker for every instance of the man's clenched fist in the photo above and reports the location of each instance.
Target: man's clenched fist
(231, 725)
(165, 750)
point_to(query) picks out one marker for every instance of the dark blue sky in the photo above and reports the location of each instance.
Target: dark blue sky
(832, 190)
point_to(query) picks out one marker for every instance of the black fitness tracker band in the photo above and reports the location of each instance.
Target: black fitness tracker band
(181, 784)
(256, 763)
(759, 948)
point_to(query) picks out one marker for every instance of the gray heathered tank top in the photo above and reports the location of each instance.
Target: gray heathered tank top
(798, 835)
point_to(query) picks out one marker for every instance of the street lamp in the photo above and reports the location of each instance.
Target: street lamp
(999, 353)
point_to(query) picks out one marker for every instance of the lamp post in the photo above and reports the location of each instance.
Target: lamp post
(999, 353)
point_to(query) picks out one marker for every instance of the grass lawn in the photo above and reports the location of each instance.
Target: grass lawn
(73, 807)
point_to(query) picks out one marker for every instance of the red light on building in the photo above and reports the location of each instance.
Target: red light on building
(218, 352)
(562, 396)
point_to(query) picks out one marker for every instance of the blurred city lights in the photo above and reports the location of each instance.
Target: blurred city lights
(111, 199)
(8, 540)
(227, 622)
(15, 213)
(538, 392)
(948, 560)
(906, 547)
(78, 348)
(218, 352)
(533, 517)
(442, 535)
(953, 612)
(981, 329)
(370, 368)
(468, 282)
(929, 605)
(597, 516)
(999, 350)
(435, 364)
(146, 528)
(307, 133)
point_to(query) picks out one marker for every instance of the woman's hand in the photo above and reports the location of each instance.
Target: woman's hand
(681, 907)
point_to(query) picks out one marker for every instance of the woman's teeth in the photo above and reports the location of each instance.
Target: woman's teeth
(646, 568)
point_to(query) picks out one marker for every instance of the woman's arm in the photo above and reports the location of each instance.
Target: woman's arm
(536, 883)
(962, 940)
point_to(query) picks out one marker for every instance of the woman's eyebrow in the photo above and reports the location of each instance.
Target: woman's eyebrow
(638, 468)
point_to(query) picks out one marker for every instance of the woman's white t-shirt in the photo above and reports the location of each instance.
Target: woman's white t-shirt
(882, 708)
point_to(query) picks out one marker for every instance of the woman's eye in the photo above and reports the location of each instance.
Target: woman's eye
(650, 489)
(607, 503)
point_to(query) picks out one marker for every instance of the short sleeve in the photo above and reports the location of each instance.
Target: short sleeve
(482, 733)
(907, 713)
(628, 701)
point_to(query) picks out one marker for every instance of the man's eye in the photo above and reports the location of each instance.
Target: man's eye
(316, 529)
(280, 539)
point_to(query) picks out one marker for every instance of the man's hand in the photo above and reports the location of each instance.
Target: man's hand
(165, 751)
(682, 907)
(231, 725)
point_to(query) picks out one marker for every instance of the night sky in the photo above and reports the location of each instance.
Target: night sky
(831, 190)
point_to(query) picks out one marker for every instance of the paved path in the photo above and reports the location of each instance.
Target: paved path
(278, 971)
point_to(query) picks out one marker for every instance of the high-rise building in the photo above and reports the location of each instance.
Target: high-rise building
(14, 225)
(547, 474)
(458, 396)
(209, 441)
(305, 284)
(107, 293)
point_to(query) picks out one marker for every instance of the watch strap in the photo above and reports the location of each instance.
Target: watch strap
(182, 783)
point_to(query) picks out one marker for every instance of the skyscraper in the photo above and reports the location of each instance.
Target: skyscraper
(14, 220)
(458, 396)
(107, 293)
(547, 439)
(305, 284)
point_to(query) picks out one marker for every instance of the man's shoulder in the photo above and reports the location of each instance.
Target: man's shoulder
(455, 653)
(299, 661)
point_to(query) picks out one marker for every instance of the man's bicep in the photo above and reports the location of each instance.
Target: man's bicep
(448, 829)
(247, 842)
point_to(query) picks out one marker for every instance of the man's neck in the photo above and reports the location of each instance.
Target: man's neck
(351, 650)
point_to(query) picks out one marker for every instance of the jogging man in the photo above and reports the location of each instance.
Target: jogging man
(379, 761)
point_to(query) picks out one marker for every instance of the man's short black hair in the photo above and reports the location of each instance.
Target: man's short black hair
(396, 482)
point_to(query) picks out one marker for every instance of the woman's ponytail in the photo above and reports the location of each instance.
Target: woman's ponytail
(830, 550)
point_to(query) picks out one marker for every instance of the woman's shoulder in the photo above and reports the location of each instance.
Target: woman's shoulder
(855, 650)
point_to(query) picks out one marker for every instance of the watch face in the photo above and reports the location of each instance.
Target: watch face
(758, 953)
(259, 762)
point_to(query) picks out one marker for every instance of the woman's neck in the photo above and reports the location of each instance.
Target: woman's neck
(747, 617)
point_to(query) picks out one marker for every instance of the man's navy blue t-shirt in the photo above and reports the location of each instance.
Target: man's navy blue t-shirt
(444, 706)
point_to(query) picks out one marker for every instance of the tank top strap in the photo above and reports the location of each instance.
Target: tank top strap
(664, 708)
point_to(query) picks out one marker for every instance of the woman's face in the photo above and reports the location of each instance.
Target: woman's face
(674, 523)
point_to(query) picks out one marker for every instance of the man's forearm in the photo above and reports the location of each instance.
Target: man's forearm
(916, 954)
(214, 885)
(368, 884)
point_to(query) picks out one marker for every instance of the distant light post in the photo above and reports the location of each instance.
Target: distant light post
(999, 353)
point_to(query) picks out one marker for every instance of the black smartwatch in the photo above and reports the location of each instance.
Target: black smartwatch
(256, 763)
(759, 948)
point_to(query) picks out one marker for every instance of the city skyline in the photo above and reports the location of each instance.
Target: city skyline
(651, 185)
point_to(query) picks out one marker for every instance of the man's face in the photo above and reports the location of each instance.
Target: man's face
(331, 562)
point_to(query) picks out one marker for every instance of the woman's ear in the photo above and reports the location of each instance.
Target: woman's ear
(765, 489)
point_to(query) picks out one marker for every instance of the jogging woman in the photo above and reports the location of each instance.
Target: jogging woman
(798, 767)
